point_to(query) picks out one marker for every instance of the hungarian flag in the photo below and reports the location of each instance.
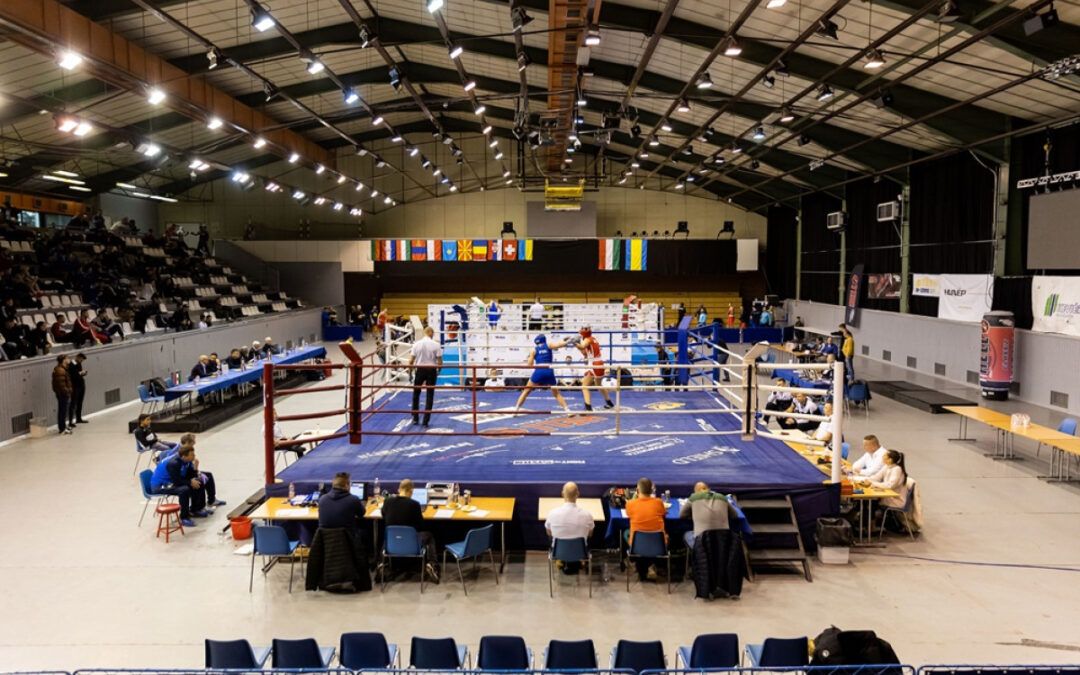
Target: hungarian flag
(419, 249)
(464, 250)
(636, 251)
(434, 251)
(374, 250)
(494, 249)
(610, 258)
(449, 250)
(509, 249)
(403, 252)
(527, 251)
(479, 249)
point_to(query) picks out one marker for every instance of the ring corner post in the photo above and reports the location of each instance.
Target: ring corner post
(356, 383)
(268, 420)
(684, 351)
(838, 419)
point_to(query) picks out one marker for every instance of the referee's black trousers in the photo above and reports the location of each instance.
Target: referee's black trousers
(425, 377)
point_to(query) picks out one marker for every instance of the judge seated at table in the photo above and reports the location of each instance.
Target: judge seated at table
(805, 405)
(280, 435)
(235, 361)
(569, 521)
(646, 514)
(826, 429)
(778, 400)
(201, 368)
(402, 509)
(873, 458)
(891, 476)
(708, 510)
(340, 507)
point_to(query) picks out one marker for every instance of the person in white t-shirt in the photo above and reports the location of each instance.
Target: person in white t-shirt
(873, 459)
(826, 429)
(494, 381)
(426, 356)
(804, 405)
(569, 521)
(536, 316)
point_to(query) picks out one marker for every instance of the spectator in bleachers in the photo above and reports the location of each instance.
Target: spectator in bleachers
(97, 221)
(78, 389)
(269, 348)
(702, 315)
(181, 318)
(84, 332)
(59, 330)
(61, 386)
(39, 338)
(15, 344)
(8, 309)
(105, 325)
(204, 241)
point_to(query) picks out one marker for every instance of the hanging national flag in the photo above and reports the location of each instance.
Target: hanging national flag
(527, 253)
(509, 249)
(494, 249)
(449, 250)
(464, 250)
(403, 252)
(374, 250)
(636, 251)
(610, 254)
(479, 249)
(418, 247)
(434, 251)
(387, 249)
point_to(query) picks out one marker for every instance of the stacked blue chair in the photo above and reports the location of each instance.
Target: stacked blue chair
(568, 551)
(437, 654)
(638, 656)
(303, 653)
(272, 541)
(648, 545)
(365, 651)
(402, 542)
(779, 653)
(570, 655)
(235, 654)
(144, 483)
(477, 543)
(503, 652)
(715, 650)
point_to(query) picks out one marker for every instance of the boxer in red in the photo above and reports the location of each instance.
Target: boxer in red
(590, 348)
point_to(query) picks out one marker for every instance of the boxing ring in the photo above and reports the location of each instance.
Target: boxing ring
(697, 428)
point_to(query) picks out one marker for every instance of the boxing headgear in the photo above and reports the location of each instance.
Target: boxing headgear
(540, 340)
(585, 332)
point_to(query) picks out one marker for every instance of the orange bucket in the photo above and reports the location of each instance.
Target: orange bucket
(241, 527)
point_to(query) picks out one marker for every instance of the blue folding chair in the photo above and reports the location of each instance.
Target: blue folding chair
(273, 541)
(401, 541)
(303, 653)
(779, 653)
(858, 392)
(146, 398)
(235, 654)
(844, 450)
(568, 551)
(901, 512)
(570, 655)
(503, 652)
(477, 542)
(437, 654)
(638, 656)
(1067, 426)
(648, 545)
(715, 650)
(144, 483)
(139, 450)
(367, 651)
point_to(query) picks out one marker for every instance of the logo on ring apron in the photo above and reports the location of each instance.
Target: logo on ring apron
(665, 405)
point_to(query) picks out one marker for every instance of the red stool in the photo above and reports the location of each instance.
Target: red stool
(168, 520)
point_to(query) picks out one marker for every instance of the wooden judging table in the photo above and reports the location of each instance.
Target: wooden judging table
(593, 506)
(488, 509)
(1006, 433)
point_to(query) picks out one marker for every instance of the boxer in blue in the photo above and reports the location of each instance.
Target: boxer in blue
(541, 355)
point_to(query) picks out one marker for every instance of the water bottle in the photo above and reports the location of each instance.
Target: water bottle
(375, 489)
(292, 491)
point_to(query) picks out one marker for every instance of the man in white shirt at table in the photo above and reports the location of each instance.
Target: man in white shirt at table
(536, 316)
(569, 521)
(426, 356)
(873, 459)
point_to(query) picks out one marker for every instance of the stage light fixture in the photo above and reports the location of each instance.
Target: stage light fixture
(519, 19)
(434, 6)
(377, 120)
(592, 36)
(366, 37)
(874, 60)
(781, 69)
(214, 123)
(825, 93)
(803, 140)
(494, 143)
(270, 91)
(786, 115)
(341, 179)
(70, 60)
(155, 96)
(149, 149)
(480, 110)
(259, 142)
(705, 82)
(523, 61)
(499, 155)
(735, 148)
(679, 186)
(395, 78)
(768, 81)
(948, 12)
(261, 19)
(486, 130)
(827, 28)
(883, 99)
(414, 151)
(731, 47)
(683, 106)
(755, 164)
(775, 4)
(456, 51)
(319, 168)
(351, 96)
(759, 133)
(212, 58)
(396, 138)
(654, 141)
(470, 85)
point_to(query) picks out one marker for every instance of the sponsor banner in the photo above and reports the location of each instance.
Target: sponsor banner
(851, 299)
(883, 286)
(965, 297)
(925, 285)
(1055, 305)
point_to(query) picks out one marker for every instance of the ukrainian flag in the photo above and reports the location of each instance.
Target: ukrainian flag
(636, 255)
(526, 251)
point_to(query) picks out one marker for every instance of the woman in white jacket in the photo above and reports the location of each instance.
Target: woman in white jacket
(892, 476)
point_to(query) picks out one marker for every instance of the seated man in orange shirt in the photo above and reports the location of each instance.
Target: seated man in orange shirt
(646, 514)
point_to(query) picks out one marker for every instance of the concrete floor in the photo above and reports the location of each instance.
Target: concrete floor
(83, 587)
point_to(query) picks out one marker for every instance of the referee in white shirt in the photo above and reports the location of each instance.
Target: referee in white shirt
(536, 316)
(426, 355)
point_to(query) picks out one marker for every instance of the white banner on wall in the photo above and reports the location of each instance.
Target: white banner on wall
(1055, 305)
(925, 285)
(965, 297)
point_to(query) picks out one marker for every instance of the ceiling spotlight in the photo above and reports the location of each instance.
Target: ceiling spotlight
(240, 176)
(494, 143)
(769, 81)
(735, 148)
(359, 187)
(374, 193)
(261, 19)
(755, 164)
(480, 110)
(434, 6)
(198, 165)
(319, 201)
(434, 173)
(759, 134)
(377, 120)
(874, 60)
(827, 28)
(315, 66)
(569, 160)
(456, 51)
(523, 61)
(781, 69)
(366, 36)
(718, 160)
(643, 155)
(319, 168)
(592, 36)
(786, 115)
(679, 186)
(775, 4)
(732, 47)
(519, 19)
(683, 106)
(948, 12)
(498, 155)
(387, 199)
(581, 100)
(705, 82)
(214, 123)
(395, 78)
(338, 206)
(470, 85)
(635, 131)
(688, 150)
(155, 96)
(572, 136)
(803, 140)
(621, 181)
(654, 141)
(883, 99)
(259, 142)
(444, 180)
(690, 179)
(70, 60)
(380, 164)
(635, 165)
(340, 179)
(453, 188)
(506, 174)
(126, 186)
(294, 158)
(212, 58)
(414, 151)
(351, 96)
(270, 91)
(487, 130)
(825, 93)
(424, 162)
(361, 151)
(149, 149)
(396, 138)
(447, 140)
(272, 187)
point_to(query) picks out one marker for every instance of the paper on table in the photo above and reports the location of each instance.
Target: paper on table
(377, 513)
(285, 513)
(478, 513)
(443, 514)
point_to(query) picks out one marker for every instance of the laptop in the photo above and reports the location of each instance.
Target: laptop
(357, 489)
(420, 495)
